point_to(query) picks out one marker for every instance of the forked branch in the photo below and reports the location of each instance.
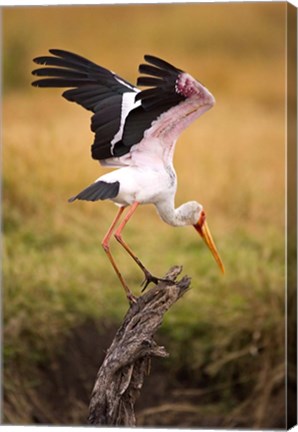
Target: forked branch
(120, 377)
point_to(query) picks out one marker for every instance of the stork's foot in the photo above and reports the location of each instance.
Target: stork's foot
(131, 298)
(150, 278)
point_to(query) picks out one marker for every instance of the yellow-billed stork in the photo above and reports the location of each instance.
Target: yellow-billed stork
(135, 131)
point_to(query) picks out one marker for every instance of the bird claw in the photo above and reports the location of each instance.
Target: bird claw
(131, 298)
(150, 278)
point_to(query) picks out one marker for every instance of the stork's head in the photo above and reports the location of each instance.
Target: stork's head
(197, 218)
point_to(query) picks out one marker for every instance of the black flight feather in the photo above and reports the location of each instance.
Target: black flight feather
(151, 70)
(99, 190)
(161, 63)
(58, 72)
(149, 81)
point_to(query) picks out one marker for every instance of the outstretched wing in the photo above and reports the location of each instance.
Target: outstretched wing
(95, 88)
(123, 115)
(162, 78)
(174, 101)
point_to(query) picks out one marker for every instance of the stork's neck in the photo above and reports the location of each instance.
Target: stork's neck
(186, 214)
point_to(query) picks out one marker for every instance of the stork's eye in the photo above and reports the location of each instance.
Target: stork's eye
(202, 218)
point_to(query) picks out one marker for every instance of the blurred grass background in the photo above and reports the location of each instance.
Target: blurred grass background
(227, 334)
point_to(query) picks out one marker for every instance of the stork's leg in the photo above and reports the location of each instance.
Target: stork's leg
(106, 247)
(148, 276)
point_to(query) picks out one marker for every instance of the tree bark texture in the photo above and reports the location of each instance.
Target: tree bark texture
(120, 377)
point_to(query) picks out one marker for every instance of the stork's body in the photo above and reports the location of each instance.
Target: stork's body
(136, 132)
(143, 184)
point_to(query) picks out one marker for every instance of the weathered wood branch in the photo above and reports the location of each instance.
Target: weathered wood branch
(120, 377)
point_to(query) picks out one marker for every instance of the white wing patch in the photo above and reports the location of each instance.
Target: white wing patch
(124, 83)
(128, 104)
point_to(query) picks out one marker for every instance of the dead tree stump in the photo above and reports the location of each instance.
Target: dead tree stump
(120, 377)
